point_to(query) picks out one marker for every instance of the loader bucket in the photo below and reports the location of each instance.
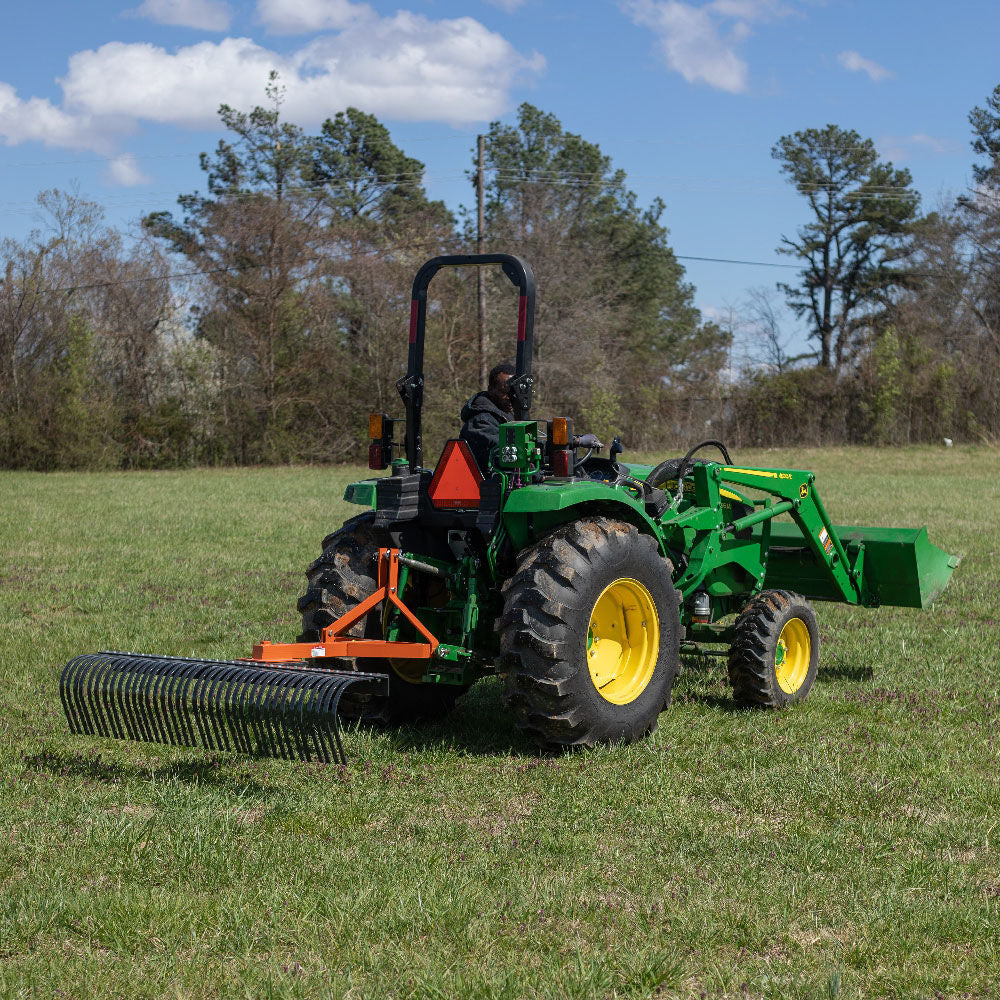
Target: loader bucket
(900, 566)
(289, 712)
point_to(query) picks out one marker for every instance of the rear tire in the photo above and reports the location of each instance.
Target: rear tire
(590, 635)
(775, 653)
(340, 579)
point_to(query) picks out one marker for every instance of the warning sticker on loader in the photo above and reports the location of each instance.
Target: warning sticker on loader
(803, 491)
(825, 540)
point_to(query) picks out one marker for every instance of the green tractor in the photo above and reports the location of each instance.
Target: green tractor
(579, 579)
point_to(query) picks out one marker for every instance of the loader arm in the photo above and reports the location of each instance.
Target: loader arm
(811, 556)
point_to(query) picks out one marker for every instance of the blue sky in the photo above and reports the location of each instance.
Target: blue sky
(687, 97)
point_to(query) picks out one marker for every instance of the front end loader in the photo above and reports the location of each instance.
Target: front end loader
(579, 579)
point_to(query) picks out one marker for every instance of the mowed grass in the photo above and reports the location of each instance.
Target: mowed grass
(848, 846)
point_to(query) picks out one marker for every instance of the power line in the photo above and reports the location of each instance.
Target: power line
(456, 242)
(451, 137)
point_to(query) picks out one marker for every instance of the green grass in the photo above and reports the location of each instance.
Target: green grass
(848, 845)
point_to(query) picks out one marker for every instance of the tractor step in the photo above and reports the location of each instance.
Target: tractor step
(288, 712)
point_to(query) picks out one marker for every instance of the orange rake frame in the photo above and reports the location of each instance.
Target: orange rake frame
(334, 643)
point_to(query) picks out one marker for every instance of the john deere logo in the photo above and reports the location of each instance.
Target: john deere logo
(803, 491)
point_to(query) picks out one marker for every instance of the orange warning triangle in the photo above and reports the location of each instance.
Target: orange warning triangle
(456, 479)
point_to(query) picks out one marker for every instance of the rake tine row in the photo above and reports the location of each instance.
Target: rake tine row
(284, 712)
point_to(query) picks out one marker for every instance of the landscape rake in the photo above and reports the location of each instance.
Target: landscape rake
(232, 705)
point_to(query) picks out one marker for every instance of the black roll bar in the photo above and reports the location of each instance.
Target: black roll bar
(411, 387)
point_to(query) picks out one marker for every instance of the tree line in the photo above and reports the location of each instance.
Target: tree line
(261, 321)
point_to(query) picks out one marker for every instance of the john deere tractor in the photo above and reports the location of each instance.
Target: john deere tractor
(579, 579)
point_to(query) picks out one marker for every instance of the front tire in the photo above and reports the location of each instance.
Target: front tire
(590, 635)
(774, 656)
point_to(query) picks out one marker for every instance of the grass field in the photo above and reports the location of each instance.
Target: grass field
(850, 846)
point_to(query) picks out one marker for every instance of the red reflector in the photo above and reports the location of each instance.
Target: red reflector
(456, 479)
(560, 462)
(414, 309)
(375, 456)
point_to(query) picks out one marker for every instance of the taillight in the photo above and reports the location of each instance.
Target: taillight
(380, 451)
(561, 465)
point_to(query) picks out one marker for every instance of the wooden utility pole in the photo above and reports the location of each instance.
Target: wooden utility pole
(480, 272)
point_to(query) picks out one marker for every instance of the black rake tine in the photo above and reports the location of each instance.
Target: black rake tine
(101, 700)
(88, 700)
(346, 682)
(338, 686)
(212, 694)
(217, 737)
(250, 692)
(66, 692)
(146, 697)
(320, 708)
(321, 713)
(269, 699)
(184, 683)
(243, 681)
(81, 687)
(128, 698)
(109, 687)
(275, 697)
(170, 688)
(287, 685)
(266, 693)
(162, 693)
(142, 698)
(295, 707)
(71, 694)
(90, 694)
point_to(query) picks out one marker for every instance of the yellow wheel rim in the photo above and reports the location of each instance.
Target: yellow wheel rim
(792, 655)
(623, 641)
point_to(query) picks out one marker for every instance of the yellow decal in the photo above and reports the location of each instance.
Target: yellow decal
(803, 491)
(731, 496)
(755, 472)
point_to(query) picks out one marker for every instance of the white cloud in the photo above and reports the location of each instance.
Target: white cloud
(38, 120)
(691, 44)
(143, 81)
(508, 5)
(404, 67)
(207, 15)
(935, 145)
(750, 10)
(699, 42)
(124, 170)
(299, 17)
(901, 148)
(856, 63)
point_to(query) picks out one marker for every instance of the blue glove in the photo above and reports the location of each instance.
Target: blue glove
(589, 441)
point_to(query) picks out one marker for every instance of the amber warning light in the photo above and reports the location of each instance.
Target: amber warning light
(380, 432)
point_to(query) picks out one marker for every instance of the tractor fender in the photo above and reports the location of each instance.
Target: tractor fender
(535, 510)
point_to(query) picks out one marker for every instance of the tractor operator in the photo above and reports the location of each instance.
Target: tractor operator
(487, 410)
